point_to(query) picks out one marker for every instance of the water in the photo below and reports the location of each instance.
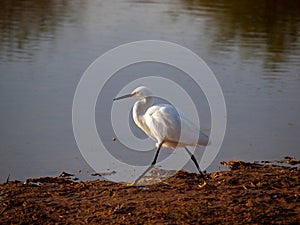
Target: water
(45, 46)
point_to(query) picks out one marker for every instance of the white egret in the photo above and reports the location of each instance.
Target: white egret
(166, 125)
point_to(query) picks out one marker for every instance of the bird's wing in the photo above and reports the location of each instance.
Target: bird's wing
(190, 128)
(166, 123)
(160, 119)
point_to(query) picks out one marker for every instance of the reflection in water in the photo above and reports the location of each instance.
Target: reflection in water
(265, 29)
(24, 23)
(252, 46)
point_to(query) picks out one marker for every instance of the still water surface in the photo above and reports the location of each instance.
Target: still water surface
(253, 47)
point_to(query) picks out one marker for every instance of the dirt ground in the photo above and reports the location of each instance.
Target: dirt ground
(249, 193)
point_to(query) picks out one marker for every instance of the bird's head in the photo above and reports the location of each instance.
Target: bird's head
(139, 92)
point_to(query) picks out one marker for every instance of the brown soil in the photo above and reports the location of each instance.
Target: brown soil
(247, 194)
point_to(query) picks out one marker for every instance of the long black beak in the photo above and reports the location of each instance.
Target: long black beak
(124, 96)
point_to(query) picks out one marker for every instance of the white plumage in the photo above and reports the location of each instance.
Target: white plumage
(164, 124)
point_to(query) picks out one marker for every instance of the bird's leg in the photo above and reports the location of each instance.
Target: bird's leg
(150, 167)
(193, 158)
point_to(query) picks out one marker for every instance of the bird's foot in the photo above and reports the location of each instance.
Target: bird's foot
(133, 183)
(207, 185)
(202, 185)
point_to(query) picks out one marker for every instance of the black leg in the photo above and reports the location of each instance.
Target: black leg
(151, 166)
(195, 162)
(156, 154)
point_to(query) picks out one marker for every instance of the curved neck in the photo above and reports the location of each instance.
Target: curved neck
(140, 108)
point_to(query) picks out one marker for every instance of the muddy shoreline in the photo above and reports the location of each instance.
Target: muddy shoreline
(249, 193)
